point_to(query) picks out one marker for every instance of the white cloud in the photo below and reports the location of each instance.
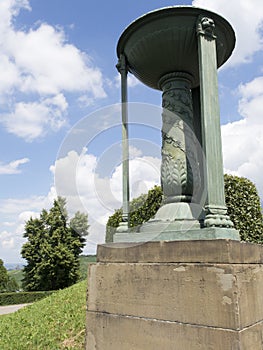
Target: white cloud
(6, 240)
(16, 212)
(33, 120)
(134, 152)
(77, 179)
(9, 73)
(43, 67)
(246, 18)
(26, 215)
(132, 81)
(243, 139)
(12, 167)
(53, 65)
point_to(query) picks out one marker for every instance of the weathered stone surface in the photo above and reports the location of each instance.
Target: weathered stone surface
(114, 332)
(210, 251)
(218, 295)
(189, 303)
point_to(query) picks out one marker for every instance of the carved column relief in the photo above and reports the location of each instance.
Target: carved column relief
(180, 173)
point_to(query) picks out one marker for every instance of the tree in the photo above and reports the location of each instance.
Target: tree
(242, 201)
(3, 276)
(53, 247)
(7, 283)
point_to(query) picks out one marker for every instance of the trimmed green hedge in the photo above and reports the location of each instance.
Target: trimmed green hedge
(242, 201)
(22, 297)
(243, 205)
(141, 210)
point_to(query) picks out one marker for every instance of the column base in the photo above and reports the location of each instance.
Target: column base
(176, 295)
(206, 233)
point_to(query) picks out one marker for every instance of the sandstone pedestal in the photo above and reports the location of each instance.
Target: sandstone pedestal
(182, 295)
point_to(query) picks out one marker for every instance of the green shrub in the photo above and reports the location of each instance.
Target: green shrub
(242, 201)
(244, 209)
(22, 297)
(141, 210)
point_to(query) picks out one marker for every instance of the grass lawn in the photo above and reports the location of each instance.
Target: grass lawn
(54, 323)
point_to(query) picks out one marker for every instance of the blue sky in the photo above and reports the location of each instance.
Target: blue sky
(58, 115)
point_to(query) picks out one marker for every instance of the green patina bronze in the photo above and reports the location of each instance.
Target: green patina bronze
(177, 50)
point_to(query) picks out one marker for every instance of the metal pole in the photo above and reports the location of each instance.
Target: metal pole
(216, 211)
(122, 68)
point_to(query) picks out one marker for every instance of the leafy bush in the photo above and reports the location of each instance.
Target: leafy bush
(141, 210)
(242, 201)
(22, 297)
(244, 209)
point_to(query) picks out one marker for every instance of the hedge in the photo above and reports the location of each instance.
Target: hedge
(142, 209)
(242, 201)
(22, 297)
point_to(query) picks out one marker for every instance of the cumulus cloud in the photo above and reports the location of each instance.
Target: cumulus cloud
(16, 211)
(243, 139)
(6, 240)
(132, 81)
(77, 178)
(42, 67)
(246, 18)
(12, 167)
(33, 119)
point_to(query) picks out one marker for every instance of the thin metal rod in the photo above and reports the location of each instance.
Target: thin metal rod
(122, 68)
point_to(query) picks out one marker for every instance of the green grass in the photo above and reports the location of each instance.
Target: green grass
(54, 323)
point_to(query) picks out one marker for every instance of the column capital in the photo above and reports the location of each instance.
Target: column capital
(206, 26)
(173, 79)
(122, 65)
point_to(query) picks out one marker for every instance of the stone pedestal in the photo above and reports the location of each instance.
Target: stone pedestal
(176, 295)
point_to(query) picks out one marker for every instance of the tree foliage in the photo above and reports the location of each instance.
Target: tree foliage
(53, 247)
(244, 209)
(7, 283)
(242, 201)
(141, 210)
(3, 276)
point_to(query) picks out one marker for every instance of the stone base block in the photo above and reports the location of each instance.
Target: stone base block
(165, 232)
(183, 295)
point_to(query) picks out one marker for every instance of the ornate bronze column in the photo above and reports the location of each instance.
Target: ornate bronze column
(178, 50)
(180, 169)
(215, 208)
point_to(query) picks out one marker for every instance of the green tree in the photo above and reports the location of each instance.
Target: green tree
(242, 201)
(53, 247)
(7, 283)
(3, 276)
